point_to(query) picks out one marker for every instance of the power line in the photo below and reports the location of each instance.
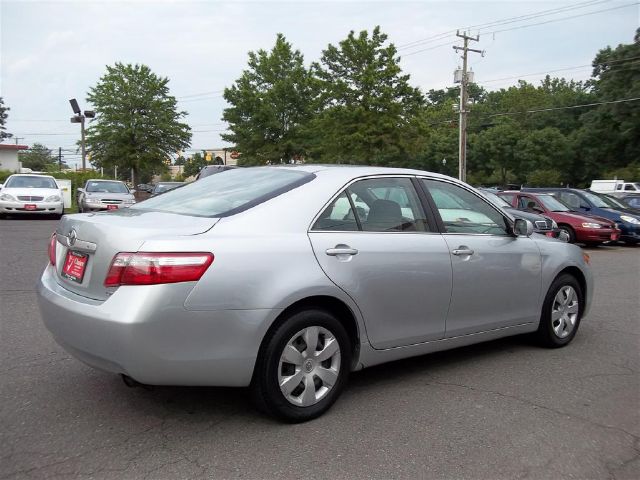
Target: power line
(550, 109)
(613, 67)
(504, 21)
(200, 94)
(563, 18)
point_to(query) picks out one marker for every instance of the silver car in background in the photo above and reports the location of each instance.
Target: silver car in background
(287, 278)
(98, 195)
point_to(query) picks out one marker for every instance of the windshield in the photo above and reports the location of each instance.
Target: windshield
(501, 202)
(596, 200)
(31, 182)
(107, 187)
(228, 192)
(163, 187)
(552, 203)
(612, 202)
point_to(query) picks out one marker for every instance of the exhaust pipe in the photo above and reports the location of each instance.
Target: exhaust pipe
(131, 383)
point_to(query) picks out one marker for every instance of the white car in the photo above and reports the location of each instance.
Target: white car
(31, 194)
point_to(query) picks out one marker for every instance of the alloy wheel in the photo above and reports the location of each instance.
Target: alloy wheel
(564, 311)
(309, 366)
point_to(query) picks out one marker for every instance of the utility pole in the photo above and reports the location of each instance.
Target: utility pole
(464, 82)
(60, 158)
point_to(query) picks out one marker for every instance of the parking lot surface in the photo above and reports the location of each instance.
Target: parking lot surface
(505, 409)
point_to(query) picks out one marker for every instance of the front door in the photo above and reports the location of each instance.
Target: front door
(496, 276)
(375, 243)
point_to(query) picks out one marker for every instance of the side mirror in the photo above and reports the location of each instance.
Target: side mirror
(132, 190)
(522, 228)
(585, 207)
(80, 190)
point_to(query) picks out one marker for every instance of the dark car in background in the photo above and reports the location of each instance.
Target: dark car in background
(629, 202)
(212, 170)
(162, 187)
(580, 228)
(584, 201)
(541, 224)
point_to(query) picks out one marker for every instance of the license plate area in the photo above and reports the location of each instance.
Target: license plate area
(112, 207)
(75, 265)
(30, 206)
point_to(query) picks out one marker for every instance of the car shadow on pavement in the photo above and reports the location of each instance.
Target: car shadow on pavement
(210, 404)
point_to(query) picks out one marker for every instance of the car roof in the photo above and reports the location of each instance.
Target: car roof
(352, 171)
(103, 180)
(29, 175)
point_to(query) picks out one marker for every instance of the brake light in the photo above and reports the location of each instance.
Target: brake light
(52, 249)
(151, 268)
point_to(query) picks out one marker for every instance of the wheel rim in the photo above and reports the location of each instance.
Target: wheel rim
(564, 312)
(309, 366)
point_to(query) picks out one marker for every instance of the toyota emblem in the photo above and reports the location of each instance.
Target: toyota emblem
(71, 238)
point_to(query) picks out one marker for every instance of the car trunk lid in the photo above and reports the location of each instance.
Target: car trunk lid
(87, 243)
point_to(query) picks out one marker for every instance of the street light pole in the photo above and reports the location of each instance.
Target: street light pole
(80, 117)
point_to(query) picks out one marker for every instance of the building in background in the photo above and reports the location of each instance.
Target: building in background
(9, 157)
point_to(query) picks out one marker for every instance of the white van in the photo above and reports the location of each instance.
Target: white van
(614, 186)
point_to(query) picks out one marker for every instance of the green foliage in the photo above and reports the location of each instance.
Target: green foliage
(369, 114)
(138, 125)
(4, 174)
(545, 178)
(38, 158)
(3, 119)
(194, 164)
(165, 177)
(269, 104)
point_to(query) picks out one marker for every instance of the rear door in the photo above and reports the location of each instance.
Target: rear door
(496, 276)
(375, 242)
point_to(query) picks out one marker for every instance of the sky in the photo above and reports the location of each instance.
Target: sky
(51, 51)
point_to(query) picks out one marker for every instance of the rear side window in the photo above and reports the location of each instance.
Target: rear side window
(228, 192)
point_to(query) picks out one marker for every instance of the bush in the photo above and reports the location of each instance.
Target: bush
(4, 174)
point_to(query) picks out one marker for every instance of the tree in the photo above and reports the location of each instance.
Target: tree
(269, 105)
(3, 119)
(194, 164)
(138, 125)
(497, 148)
(609, 135)
(37, 158)
(368, 110)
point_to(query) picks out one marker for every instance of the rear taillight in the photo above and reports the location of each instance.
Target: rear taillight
(151, 268)
(52, 249)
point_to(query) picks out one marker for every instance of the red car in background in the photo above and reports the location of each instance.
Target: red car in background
(580, 228)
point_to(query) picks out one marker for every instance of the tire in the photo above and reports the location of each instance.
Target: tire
(559, 323)
(570, 233)
(312, 395)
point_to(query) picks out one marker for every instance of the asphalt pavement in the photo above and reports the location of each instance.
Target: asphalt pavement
(504, 409)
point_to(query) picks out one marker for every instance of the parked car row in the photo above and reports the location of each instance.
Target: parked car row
(585, 216)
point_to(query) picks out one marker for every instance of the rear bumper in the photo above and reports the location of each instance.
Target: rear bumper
(41, 208)
(145, 332)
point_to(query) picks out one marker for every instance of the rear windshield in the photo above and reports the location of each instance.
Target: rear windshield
(30, 182)
(228, 192)
(107, 187)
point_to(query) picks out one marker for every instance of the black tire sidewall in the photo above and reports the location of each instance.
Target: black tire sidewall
(265, 381)
(545, 330)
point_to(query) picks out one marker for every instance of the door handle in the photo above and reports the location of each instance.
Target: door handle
(341, 250)
(462, 251)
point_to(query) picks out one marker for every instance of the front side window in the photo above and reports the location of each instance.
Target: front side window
(375, 205)
(528, 204)
(463, 212)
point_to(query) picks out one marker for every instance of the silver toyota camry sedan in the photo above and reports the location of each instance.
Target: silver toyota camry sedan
(287, 278)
